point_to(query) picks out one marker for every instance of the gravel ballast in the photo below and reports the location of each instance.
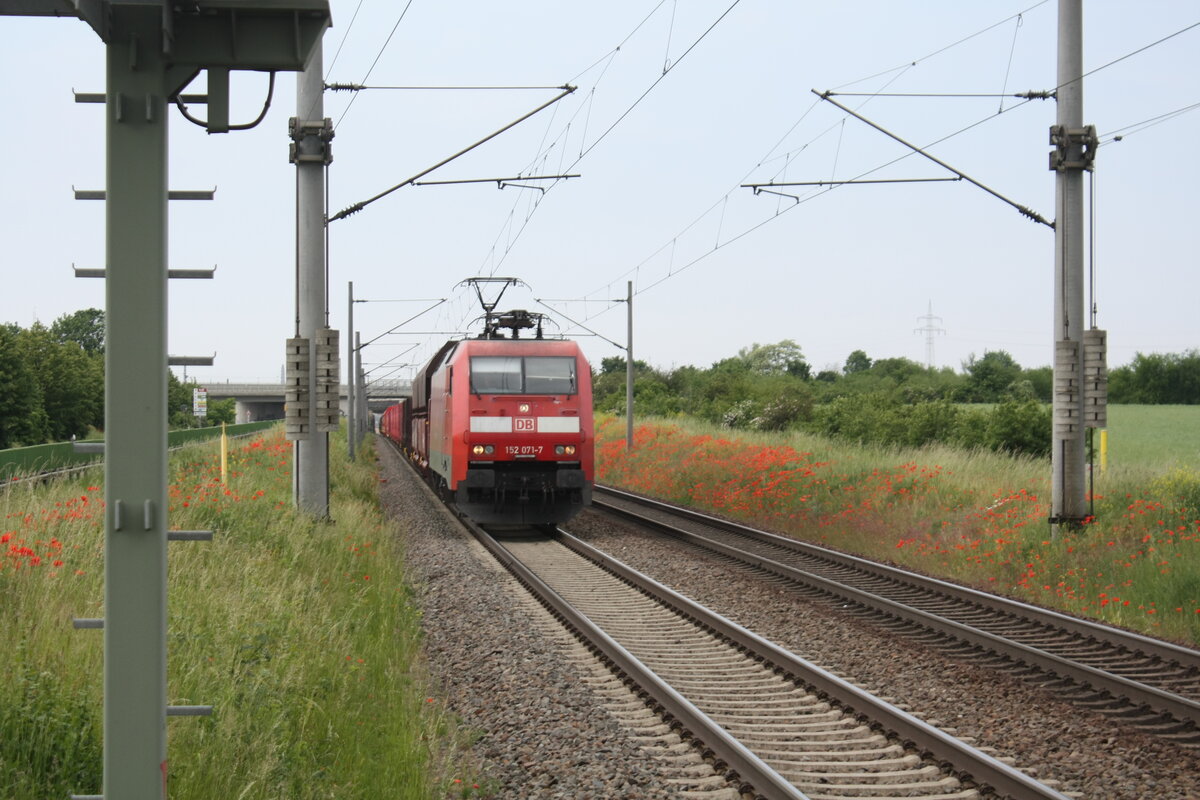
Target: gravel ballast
(549, 725)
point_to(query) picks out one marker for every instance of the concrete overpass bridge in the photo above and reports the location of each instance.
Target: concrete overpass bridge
(259, 401)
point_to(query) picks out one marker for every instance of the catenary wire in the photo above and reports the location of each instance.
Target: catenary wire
(1155, 120)
(941, 50)
(902, 67)
(342, 43)
(1119, 134)
(1011, 50)
(766, 159)
(357, 87)
(799, 201)
(611, 54)
(584, 152)
(378, 56)
(1133, 53)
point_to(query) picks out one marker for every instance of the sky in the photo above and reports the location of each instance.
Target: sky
(678, 103)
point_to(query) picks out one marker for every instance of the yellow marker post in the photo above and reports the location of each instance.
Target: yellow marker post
(1103, 449)
(225, 455)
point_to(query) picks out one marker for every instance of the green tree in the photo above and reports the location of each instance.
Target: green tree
(856, 362)
(776, 359)
(989, 378)
(609, 387)
(85, 328)
(222, 411)
(614, 364)
(1158, 378)
(22, 418)
(725, 383)
(901, 370)
(70, 380)
(179, 403)
(1042, 381)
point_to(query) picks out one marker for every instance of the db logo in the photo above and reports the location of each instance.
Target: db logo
(524, 424)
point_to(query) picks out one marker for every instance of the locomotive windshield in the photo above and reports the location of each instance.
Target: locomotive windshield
(523, 375)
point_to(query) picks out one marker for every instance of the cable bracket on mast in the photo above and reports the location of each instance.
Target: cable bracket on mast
(310, 141)
(1068, 142)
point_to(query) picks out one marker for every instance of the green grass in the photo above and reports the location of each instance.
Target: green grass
(976, 517)
(1153, 438)
(302, 634)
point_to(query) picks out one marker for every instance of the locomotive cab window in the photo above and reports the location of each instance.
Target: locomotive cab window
(549, 375)
(495, 375)
(528, 375)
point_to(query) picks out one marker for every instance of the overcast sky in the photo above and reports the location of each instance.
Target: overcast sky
(662, 156)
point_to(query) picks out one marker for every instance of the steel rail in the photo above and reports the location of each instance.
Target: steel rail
(1162, 701)
(1135, 642)
(749, 770)
(963, 759)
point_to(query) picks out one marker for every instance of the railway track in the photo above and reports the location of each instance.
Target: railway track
(777, 725)
(1144, 682)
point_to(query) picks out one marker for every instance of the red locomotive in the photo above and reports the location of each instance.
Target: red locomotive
(502, 427)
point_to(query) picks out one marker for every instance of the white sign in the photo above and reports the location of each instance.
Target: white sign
(200, 402)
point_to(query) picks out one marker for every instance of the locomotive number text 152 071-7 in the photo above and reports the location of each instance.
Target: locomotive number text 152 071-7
(523, 449)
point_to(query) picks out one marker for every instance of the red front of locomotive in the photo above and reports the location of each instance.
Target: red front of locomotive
(510, 430)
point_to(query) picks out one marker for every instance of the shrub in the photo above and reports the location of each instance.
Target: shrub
(740, 415)
(932, 422)
(970, 429)
(863, 418)
(784, 412)
(1020, 427)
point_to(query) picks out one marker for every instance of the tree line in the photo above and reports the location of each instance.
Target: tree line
(992, 403)
(52, 383)
(52, 389)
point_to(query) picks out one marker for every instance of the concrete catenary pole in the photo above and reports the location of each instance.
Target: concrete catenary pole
(351, 377)
(629, 369)
(311, 453)
(1068, 457)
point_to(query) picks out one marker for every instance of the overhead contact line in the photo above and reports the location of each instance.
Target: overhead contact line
(354, 209)
(1024, 210)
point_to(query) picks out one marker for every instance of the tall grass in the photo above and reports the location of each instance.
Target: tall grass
(972, 516)
(301, 633)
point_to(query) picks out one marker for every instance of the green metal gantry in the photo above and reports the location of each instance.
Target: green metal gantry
(154, 49)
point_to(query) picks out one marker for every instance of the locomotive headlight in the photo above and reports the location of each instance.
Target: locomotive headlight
(489, 449)
(477, 449)
(564, 449)
(523, 408)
